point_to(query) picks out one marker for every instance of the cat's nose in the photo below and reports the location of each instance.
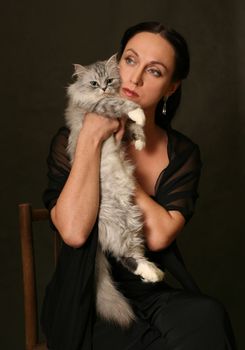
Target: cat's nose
(104, 88)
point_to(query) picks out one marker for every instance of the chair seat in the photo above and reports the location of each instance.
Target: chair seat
(41, 346)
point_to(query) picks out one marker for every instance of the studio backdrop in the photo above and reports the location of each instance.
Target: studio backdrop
(41, 40)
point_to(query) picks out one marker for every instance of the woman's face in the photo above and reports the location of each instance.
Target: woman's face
(146, 69)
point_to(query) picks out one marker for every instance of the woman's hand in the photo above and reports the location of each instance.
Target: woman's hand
(99, 128)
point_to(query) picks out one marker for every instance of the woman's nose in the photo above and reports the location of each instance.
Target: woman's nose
(137, 77)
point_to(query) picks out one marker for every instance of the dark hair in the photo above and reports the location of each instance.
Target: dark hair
(182, 63)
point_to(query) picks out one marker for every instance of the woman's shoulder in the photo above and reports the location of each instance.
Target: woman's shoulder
(63, 131)
(60, 138)
(58, 149)
(181, 142)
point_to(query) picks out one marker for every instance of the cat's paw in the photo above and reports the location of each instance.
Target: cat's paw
(149, 272)
(138, 116)
(139, 144)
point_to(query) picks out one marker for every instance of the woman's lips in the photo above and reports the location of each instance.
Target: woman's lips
(129, 93)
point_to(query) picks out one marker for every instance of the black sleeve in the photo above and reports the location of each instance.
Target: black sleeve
(58, 168)
(177, 188)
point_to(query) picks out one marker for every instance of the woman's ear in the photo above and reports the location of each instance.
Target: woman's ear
(173, 87)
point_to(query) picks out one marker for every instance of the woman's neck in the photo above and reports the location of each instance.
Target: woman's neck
(152, 131)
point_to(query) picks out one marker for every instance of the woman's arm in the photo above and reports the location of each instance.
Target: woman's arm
(161, 227)
(75, 212)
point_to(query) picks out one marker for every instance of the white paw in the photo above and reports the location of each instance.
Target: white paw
(139, 144)
(138, 116)
(149, 272)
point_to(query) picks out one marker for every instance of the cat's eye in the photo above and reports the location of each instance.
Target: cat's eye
(94, 83)
(109, 81)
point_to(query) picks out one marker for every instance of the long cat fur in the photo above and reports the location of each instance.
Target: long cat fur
(96, 89)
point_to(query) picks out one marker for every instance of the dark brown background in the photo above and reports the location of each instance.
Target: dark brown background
(40, 41)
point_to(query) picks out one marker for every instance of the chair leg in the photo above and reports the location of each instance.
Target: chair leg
(30, 303)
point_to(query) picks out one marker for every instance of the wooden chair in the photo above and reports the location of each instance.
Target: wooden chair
(28, 215)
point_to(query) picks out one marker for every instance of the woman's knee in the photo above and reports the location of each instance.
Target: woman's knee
(186, 311)
(208, 309)
(194, 319)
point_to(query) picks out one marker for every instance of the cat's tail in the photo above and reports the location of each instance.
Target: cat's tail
(111, 305)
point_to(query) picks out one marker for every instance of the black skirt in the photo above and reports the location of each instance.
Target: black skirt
(170, 320)
(167, 318)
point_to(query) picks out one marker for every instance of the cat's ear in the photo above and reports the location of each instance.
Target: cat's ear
(112, 66)
(79, 70)
(112, 61)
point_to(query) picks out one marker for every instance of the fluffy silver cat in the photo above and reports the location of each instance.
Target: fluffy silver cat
(96, 89)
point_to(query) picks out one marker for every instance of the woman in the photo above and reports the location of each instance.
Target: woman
(153, 61)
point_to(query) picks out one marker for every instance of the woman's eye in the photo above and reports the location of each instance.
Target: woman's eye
(129, 60)
(94, 83)
(154, 72)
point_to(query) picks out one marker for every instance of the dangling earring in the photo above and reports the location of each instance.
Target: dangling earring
(164, 109)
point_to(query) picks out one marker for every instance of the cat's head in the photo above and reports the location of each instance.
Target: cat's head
(100, 78)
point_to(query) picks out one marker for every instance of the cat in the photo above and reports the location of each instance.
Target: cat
(120, 223)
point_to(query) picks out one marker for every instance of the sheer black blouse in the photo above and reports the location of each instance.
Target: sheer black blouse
(68, 309)
(176, 187)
